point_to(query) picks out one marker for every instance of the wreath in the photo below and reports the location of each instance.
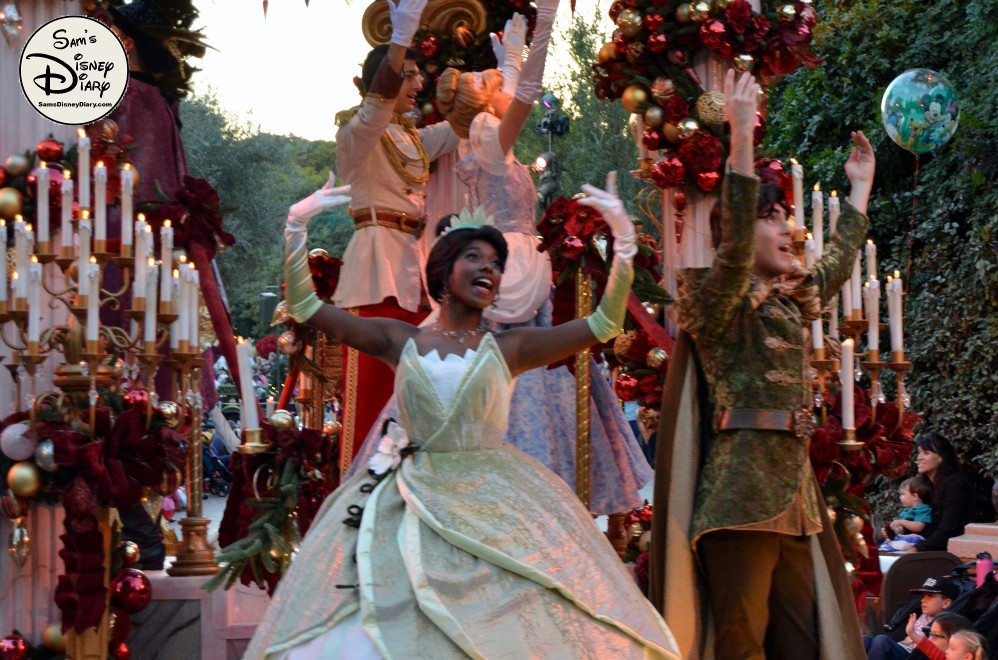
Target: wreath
(648, 66)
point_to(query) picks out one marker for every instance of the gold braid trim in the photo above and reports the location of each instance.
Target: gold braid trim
(398, 159)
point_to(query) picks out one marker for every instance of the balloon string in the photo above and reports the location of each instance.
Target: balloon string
(911, 228)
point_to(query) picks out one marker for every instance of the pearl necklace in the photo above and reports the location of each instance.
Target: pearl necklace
(459, 335)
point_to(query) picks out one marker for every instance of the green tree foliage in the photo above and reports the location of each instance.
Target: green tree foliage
(258, 176)
(598, 138)
(951, 308)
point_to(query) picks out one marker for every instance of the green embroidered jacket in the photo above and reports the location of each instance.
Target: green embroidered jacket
(752, 338)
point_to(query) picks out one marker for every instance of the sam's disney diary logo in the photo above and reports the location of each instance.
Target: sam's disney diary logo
(74, 70)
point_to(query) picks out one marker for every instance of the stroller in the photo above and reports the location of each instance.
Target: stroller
(217, 477)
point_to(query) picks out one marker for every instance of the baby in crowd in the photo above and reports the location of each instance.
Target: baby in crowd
(915, 493)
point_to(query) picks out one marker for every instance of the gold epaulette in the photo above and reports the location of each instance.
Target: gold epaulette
(343, 116)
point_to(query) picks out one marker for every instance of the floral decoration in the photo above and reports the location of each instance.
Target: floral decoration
(647, 64)
(391, 449)
(576, 237)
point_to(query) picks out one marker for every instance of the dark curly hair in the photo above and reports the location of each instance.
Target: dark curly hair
(770, 195)
(448, 247)
(373, 61)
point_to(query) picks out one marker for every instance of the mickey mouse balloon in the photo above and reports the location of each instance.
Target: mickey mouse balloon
(920, 110)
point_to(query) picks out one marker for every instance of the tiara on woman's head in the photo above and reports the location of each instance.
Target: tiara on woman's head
(468, 220)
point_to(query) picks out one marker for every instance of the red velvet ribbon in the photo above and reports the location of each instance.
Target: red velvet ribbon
(649, 324)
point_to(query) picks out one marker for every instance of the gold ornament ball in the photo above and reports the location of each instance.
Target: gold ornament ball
(318, 252)
(743, 62)
(687, 128)
(654, 116)
(629, 21)
(622, 344)
(11, 203)
(671, 133)
(683, 13)
(699, 11)
(607, 53)
(171, 414)
(17, 165)
(786, 13)
(24, 479)
(710, 108)
(130, 553)
(662, 88)
(635, 99)
(332, 427)
(656, 357)
(281, 420)
(52, 638)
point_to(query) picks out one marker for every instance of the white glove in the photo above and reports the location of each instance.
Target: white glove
(528, 88)
(509, 51)
(405, 15)
(625, 244)
(327, 197)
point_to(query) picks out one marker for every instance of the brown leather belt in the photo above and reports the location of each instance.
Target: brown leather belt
(800, 422)
(404, 222)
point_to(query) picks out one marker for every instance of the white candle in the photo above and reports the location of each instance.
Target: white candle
(270, 406)
(20, 256)
(195, 316)
(847, 300)
(127, 186)
(175, 286)
(93, 301)
(143, 247)
(846, 385)
(149, 330)
(871, 292)
(797, 172)
(871, 260)
(183, 305)
(67, 209)
(100, 202)
(166, 259)
(857, 289)
(3, 260)
(83, 168)
(833, 317)
(251, 417)
(42, 206)
(834, 209)
(894, 296)
(818, 221)
(34, 299)
(83, 257)
(817, 333)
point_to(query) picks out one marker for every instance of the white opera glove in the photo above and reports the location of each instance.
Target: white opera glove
(509, 51)
(325, 198)
(625, 238)
(405, 16)
(528, 88)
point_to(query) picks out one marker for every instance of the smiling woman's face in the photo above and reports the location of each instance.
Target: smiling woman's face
(928, 463)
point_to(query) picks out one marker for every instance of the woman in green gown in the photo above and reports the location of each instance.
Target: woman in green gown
(453, 544)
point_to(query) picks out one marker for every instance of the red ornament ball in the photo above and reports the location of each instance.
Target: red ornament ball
(620, 40)
(678, 57)
(712, 34)
(626, 387)
(668, 172)
(679, 200)
(49, 149)
(131, 591)
(13, 647)
(658, 43)
(707, 181)
(652, 139)
(572, 247)
(654, 21)
(3, 177)
(429, 46)
(120, 651)
(615, 10)
(137, 399)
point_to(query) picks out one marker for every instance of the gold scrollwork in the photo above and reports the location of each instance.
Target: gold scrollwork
(440, 17)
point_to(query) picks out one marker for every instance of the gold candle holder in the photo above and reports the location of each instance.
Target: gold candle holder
(43, 252)
(873, 365)
(4, 314)
(898, 357)
(644, 169)
(101, 253)
(138, 310)
(848, 441)
(254, 442)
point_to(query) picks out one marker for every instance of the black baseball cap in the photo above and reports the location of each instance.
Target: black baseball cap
(939, 585)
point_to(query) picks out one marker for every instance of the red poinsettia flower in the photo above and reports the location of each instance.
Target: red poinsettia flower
(701, 153)
(675, 108)
(738, 14)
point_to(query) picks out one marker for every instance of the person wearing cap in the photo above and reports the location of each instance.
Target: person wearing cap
(938, 593)
(386, 162)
